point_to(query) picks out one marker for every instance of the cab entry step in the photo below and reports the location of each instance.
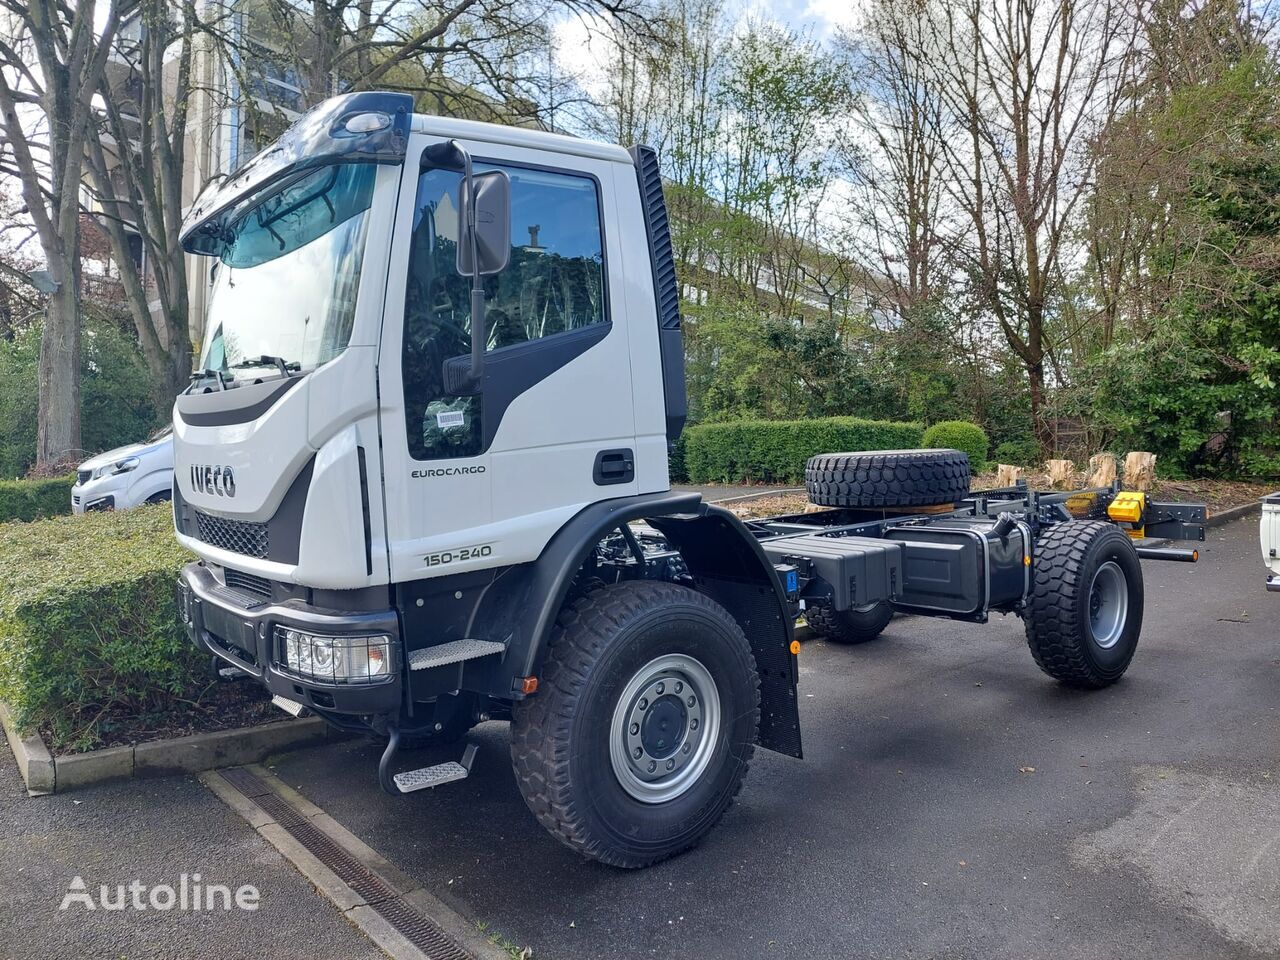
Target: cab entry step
(455, 651)
(858, 570)
(437, 775)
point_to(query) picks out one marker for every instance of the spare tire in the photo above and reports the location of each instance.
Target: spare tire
(887, 478)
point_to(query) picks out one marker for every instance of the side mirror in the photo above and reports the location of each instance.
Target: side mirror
(490, 194)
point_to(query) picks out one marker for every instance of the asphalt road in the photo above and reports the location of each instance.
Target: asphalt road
(953, 802)
(1149, 826)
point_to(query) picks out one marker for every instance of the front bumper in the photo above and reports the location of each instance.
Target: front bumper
(240, 629)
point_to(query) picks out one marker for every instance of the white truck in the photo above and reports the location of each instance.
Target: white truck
(424, 466)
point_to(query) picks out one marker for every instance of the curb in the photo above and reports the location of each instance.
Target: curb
(1233, 513)
(275, 811)
(45, 774)
(759, 496)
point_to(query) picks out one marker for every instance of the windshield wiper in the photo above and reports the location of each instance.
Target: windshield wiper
(198, 375)
(267, 360)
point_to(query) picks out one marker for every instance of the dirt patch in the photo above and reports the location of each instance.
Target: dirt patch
(224, 706)
(1218, 495)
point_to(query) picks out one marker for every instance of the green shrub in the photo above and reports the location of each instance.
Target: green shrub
(115, 408)
(959, 435)
(33, 499)
(675, 462)
(1020, 453)
(88, 623)
(775, 451)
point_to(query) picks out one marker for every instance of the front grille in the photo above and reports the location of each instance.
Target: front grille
(248, 583)
(83, 476)
(238, 536)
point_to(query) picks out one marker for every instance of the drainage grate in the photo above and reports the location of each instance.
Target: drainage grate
(420, 931)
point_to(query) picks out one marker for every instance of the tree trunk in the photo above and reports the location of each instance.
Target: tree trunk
(1102, 470)
(1139, 470)
(1059, 473)
(58, 440)
(1007, 475)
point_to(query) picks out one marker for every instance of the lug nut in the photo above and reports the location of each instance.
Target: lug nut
(635, 729)
(643, 704)
(679, 687)
(652, 766)
(637, 753)
(671, 764)
(660, 689)
(692, 700)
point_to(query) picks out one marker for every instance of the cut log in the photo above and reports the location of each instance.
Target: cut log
(1059, 473)
(1140, 470)
(1007, 475)
(1102, 470)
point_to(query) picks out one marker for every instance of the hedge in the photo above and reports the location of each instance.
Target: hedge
(89, 627)
(33, 499)
(959, 435)
(775, 451)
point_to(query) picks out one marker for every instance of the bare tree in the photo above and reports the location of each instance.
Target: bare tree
(1025, 84)
(137, 157)
(52, 57)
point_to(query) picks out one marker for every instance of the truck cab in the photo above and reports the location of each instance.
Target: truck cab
(442, 365)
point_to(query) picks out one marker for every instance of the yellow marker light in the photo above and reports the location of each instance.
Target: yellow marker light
(1026, 561)
(1128, 506)
(795, 648)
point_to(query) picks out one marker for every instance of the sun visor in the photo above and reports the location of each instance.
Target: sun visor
(365, 127)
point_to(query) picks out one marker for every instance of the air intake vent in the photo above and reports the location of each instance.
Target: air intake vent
(666, 289)
(238, 536)
(248, 583)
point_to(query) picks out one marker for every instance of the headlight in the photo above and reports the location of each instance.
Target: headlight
(120, 466)
(364, 659)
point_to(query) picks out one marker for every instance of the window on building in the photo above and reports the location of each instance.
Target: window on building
(554, 283)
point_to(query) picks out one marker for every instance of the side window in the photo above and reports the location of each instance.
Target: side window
(553, 283)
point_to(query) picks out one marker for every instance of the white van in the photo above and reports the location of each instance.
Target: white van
(127, 476)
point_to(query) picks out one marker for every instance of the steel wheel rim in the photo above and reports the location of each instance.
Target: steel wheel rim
(1108, 605)
(664, 729)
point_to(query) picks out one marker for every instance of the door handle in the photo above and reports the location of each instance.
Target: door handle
(614, 466)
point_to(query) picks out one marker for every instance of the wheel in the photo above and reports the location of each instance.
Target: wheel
(163, 496)
(887, 478)
(643, 725)
(849, 626)
(1085, 612)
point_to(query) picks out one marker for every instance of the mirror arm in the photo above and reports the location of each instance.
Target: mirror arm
(479, 334)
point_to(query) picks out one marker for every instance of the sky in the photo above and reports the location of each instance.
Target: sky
(822, 17)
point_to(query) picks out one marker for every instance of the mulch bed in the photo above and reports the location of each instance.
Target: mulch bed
(1216, 494)
(223, 706)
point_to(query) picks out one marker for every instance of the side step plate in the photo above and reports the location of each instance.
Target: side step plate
(435, 776)
(290, 706)
(454, 651)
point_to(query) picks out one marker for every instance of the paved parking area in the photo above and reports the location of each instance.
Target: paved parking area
(953, 803)
(1149, 826)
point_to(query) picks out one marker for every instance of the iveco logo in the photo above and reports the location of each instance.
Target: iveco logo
(219, 481)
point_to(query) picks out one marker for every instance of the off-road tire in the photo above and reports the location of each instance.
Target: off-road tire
(1058, 623)
(560, 736)
(849, 627)
(887, 478)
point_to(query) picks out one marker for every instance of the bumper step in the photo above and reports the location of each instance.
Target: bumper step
(292, 707)
(455, 651)
(437, 775)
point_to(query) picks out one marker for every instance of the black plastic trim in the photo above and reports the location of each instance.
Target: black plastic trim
(666, 288)
(188, 404)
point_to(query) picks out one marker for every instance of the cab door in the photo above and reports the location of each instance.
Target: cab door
(485, 479)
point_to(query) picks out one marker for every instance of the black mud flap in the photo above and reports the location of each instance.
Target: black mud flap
(729, 566)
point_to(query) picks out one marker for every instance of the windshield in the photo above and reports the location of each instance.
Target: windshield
(284, 291)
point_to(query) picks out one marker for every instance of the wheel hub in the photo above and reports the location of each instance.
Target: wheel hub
(664, 728)
(1108, 605)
